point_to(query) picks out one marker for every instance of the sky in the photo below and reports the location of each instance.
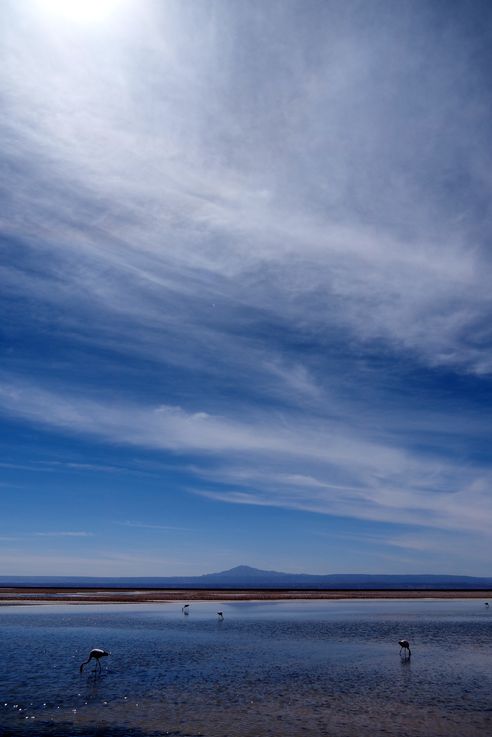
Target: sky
(245, 286)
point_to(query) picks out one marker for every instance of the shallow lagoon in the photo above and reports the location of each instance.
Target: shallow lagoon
(287, 668)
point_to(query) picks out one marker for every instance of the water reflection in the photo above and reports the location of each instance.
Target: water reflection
(94, 680)
(406, 674)
(277, 670)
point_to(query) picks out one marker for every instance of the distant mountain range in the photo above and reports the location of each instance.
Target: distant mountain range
(245, 577)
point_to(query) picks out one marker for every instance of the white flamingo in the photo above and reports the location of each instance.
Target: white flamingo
(97, 654)
(404, 645)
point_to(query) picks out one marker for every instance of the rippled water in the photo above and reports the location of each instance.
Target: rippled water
(277, 669)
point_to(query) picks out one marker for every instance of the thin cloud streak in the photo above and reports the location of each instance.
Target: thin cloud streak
(98, 562)
(64, 534)
(144, 526)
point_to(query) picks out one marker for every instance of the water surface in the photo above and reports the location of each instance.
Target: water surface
(275, 669)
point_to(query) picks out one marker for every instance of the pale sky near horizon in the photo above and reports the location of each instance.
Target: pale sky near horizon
(245, 286)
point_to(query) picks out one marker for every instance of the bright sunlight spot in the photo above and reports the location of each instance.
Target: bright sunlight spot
(80, 11)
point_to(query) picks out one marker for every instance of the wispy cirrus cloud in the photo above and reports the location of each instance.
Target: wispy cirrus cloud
(175, 428)
(272, 266)
(399, 504)
(421, 288)
(351, 474)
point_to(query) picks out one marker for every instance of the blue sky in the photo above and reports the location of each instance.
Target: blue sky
(246, 295)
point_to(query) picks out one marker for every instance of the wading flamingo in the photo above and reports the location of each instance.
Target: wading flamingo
(404, 645)
(96, 653)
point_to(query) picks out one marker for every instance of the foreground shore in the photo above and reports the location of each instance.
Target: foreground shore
(11, 596)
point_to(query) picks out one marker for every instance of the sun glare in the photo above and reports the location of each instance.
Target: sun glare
(80, 11)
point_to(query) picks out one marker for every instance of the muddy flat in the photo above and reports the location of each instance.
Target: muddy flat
(33, 595)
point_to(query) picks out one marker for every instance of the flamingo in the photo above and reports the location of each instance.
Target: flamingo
(96, 653)
(220, 615)
(404, 645)
(184, 609)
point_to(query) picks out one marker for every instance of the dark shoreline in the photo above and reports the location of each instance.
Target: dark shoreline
(20, 595)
